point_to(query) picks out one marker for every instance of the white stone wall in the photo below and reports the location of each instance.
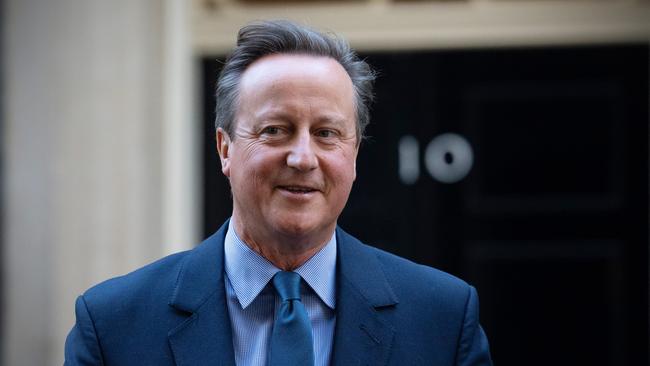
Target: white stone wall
(85, 131)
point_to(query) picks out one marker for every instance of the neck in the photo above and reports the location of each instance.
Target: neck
(286, 252)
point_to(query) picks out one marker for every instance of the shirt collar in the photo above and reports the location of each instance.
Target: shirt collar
(249, 272)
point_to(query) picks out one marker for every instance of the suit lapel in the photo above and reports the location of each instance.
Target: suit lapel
(362, 336)
(204, 338)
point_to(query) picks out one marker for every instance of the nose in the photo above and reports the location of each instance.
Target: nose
(301, 153)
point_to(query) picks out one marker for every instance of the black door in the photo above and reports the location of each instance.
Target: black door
(522, 171)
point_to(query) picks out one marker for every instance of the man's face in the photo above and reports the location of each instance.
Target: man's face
(291, 161)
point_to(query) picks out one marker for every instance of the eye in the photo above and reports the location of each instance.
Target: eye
(271, 130)
(325, 133)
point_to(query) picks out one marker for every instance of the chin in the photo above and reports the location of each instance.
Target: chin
(301, 226)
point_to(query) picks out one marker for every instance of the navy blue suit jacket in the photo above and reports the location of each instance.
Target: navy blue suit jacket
(390, 311)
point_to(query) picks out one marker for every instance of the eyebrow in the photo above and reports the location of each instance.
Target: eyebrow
(334, 118)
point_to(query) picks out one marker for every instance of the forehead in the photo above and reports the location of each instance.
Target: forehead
(296, 87)
(300, 70)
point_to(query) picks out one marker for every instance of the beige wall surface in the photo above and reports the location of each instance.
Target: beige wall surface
(81, 158)
(395, 25)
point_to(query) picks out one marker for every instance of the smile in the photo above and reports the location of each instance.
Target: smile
(297, 189)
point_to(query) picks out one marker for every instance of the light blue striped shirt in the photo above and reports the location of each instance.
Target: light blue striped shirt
(252, 300)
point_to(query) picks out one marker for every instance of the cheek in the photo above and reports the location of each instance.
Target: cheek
(256, 168)
(342, 173)
(250, 188)
(350, 159)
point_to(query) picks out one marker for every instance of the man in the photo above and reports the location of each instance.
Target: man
(279, 283)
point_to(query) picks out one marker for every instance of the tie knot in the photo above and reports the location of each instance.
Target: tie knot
(287, 284)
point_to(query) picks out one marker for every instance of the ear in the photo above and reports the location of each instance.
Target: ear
(223, 148)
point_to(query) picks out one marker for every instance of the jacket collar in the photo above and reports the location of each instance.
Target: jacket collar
(204, 338)
(362, 336)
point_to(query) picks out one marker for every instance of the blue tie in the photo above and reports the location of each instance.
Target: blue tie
(291, 340)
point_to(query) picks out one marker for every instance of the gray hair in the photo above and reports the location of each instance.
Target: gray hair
(259, 39)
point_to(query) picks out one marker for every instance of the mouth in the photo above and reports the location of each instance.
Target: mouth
(296, 189)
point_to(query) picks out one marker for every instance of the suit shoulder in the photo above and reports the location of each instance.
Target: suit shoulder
(143, 284)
